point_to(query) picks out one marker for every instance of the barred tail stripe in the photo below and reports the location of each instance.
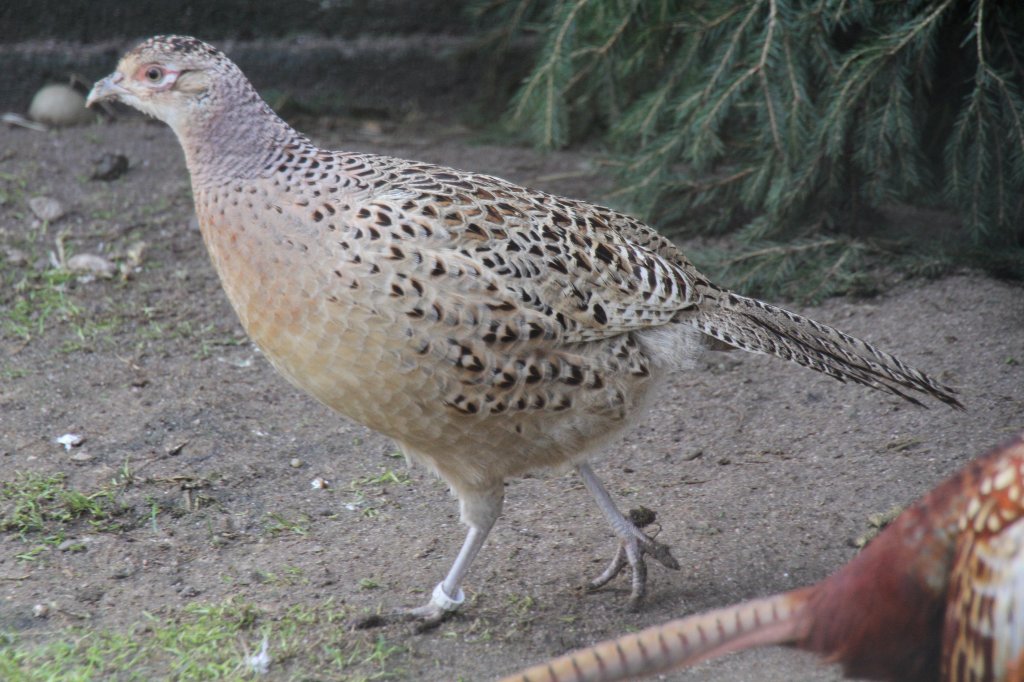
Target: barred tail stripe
(759, 327)
(678, 643)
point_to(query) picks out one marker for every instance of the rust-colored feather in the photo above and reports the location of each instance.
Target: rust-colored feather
(983, 638)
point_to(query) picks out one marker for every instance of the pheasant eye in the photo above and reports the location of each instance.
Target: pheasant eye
(154, 74)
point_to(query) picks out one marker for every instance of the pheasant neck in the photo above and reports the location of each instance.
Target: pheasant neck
(243, 138)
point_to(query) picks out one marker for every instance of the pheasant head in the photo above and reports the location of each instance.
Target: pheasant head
(176, 79)
(221, 121)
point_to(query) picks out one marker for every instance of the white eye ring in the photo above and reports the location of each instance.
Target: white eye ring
(157, 76)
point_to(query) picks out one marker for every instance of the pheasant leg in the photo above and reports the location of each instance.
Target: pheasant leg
(633, 543)
(448, 595)
(480, 509)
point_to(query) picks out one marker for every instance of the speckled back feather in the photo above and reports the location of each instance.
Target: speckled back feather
(503, 283)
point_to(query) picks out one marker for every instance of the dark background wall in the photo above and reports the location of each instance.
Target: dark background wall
(90, 21)
(378, 57)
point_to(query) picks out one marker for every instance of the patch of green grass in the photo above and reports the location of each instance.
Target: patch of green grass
(368, 487)
(12, 373)
(87, 331)
(160, 204)
(38, 299)
(292, 575)
(278, 523)
(206, 642)
(208, 336)
(521, 604)
(387, 475)
(13, 188)
(208, 342)
(295, 573)
(37, 504)
(106, 214)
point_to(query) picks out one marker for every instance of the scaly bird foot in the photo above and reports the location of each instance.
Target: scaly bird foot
(424, 618)
(631, 552)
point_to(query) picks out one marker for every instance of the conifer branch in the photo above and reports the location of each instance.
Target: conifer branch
(730, 51)
(762, 70)
(784, 250)
(783, 118)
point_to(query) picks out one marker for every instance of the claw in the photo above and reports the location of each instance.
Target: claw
(426, 617)
(619, 562)
(631, 552)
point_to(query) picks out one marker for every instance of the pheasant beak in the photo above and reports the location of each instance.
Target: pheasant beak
(109, 88)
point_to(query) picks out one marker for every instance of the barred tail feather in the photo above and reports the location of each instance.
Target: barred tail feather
(680, 643)
(760, 327)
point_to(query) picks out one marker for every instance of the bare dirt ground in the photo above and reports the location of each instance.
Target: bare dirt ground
(762, 473)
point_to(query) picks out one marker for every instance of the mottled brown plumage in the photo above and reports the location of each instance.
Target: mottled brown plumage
(938, 596)
(488, 328)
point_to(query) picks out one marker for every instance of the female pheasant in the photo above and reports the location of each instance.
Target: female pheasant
(487, 328)
(937, 596)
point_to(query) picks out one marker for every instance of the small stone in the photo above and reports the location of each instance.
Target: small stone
(133, 255)
(176, 448)
(59, 105)
(81, 457)
(47, 208)
(40, 611)
(89, 594)
(296, 463)
(320, 483)
(70, 440)
(109, 167)
(121, 573)
(91, 264)
(16, 257)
